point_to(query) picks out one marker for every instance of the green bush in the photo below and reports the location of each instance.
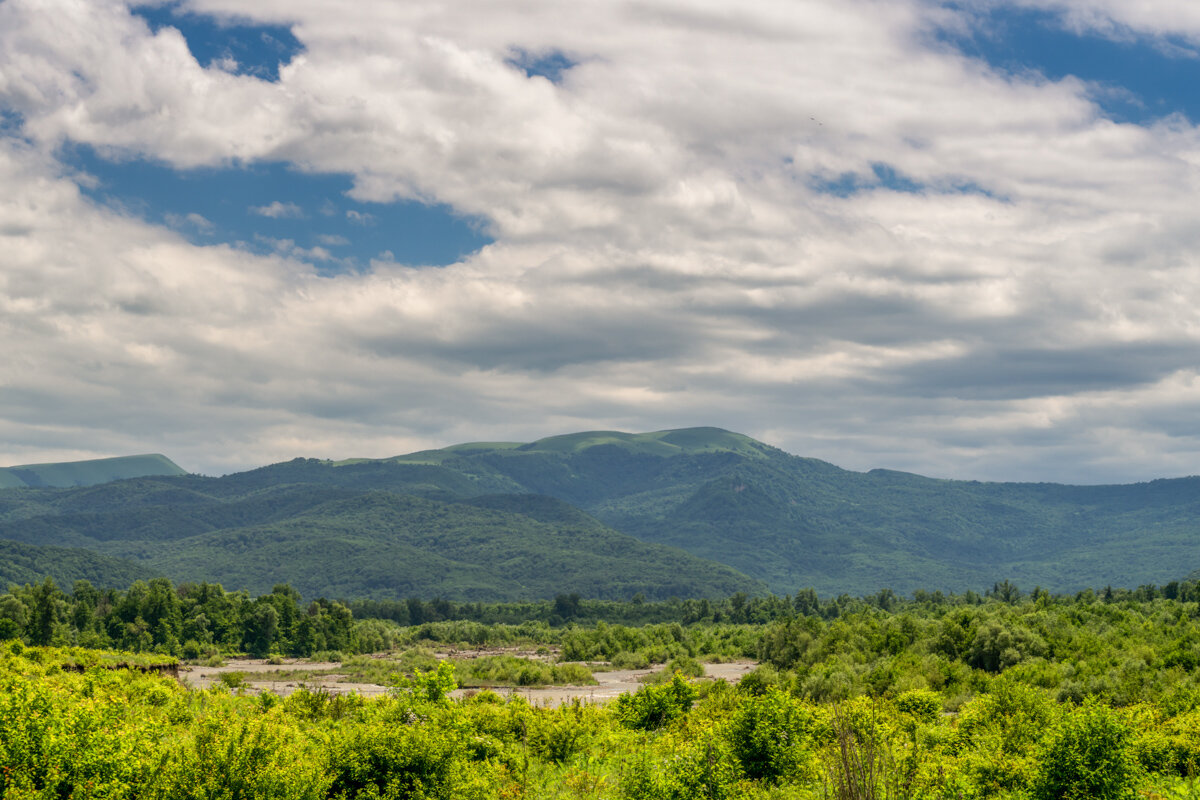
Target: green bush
(654, 706)
(704, 769)
(768, 734)
(921, 704)
(1090, 755)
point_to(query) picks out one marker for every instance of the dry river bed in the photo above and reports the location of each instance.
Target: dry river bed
(260, 676)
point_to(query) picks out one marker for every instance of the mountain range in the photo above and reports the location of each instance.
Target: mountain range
(690, 512)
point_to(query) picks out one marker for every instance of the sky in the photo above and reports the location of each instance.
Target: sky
(953, 238)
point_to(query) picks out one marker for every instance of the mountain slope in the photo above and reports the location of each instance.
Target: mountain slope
(787, 521)
(87, 473)
(384, 545)
(25, 563)
(360, 530)
(796, 522)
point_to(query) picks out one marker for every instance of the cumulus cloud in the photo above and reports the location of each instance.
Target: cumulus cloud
(668, 250)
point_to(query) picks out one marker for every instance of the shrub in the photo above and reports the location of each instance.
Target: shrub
(433, 686)
(655, 706)
(768, 735)
(705, 769)
(921, 704)
(1090, 755)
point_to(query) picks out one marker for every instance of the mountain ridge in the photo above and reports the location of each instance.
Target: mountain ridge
(90, 472)
(784, 522)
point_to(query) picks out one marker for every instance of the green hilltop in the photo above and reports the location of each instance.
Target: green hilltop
(690, 512)
(87, 473)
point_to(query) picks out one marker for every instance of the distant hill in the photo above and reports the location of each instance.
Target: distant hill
(26, 563)
(86, 473)
(573, 513)
(362, 530)
(797, 522)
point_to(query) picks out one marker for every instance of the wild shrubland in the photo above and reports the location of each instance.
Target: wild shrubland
(1009, 696)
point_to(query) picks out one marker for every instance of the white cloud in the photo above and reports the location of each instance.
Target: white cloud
(360, 217)
(191, 221)
(279, 210)
(662, 258)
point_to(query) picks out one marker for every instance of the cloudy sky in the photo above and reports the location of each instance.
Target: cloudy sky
(956, 238)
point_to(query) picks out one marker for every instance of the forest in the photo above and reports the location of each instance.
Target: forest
(1006, 694)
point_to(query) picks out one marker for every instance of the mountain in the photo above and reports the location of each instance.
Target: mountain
(798, 522)
(366, 530)
(572, 513)
(87, 473)
(26, 563)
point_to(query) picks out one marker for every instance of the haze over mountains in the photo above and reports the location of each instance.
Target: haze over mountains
(691, 512)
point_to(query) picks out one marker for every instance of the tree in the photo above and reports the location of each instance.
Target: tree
(567, 605)
(261, 625)
(44, 614)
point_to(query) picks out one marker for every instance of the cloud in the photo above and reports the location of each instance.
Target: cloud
(332, 240)
(663, 253)
(192, 221)
(279, 210)
(360, 217)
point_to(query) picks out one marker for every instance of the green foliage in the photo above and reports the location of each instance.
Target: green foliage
(1089, 755)
(922, 705)
(768, 735)
(433, 686)
(654, 706)
(583, 514)
(77, 723)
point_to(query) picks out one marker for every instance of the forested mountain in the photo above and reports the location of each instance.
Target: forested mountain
(364, 530)
(799, 522)
(511, 520)
(27, 563)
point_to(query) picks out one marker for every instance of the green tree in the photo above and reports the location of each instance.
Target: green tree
(44, 614)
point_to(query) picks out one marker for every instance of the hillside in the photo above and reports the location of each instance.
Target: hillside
(366, 530)
(796, 522)
(784, 521)
(87, 473)
(26, 563)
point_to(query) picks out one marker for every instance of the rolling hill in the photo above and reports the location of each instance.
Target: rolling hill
(87, 473)
(513, 520)
(366, 530)
(26, 563)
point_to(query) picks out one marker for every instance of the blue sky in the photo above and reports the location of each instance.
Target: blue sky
(276, 207)
(1135, 77)
(951, 238)
(272, 207)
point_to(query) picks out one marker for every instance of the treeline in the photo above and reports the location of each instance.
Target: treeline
(191, 620)
(738, 609)
(196, 619)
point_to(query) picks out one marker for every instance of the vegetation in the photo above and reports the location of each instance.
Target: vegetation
(507, 521)
(27, 563)
(1005, 697)
(331, 541)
